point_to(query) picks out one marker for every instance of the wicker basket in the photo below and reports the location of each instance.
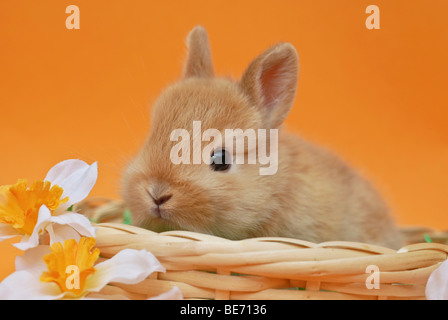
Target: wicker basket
(208, 267)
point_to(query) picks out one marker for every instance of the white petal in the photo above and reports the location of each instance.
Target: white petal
(60, 233)
(173, 294)
(32, 241)
(24, 285)
(76, 177)
(74, 222)
(32, 260)
(437, 285)
(127, 266)
(69, 225)
(64, 169)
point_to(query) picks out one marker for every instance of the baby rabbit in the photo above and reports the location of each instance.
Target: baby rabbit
(313, 196)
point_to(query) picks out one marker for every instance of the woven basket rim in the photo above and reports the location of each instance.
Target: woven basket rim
(205, 266)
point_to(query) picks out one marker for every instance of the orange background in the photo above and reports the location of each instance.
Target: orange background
(377, 97)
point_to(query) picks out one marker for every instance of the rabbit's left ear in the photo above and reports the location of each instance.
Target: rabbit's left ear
(199, 61)
(271, 83)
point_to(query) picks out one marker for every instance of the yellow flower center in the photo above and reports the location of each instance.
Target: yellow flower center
(19, 205)
(70, 264)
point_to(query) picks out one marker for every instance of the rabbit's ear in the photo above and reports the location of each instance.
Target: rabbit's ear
(271, 82)
(199, 61)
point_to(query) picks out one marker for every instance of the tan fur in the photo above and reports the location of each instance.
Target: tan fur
(313, 196)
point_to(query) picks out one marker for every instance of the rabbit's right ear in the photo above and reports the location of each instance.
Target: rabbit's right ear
(199, 61)
(270, 81)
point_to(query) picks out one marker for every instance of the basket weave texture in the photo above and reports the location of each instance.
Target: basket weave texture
(209, 267)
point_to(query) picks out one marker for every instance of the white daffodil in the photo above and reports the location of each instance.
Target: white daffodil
(68, 271)
(28, 211)
(437, 285)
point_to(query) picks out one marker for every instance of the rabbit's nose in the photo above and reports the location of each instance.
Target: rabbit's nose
(162, 199)
(159, 193)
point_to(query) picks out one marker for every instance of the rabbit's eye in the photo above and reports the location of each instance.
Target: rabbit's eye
(220, 160)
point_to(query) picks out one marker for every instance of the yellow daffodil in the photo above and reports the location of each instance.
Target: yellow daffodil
(28, 211)
(69, 271)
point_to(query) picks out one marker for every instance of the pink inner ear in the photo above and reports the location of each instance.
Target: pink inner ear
(274, 82)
